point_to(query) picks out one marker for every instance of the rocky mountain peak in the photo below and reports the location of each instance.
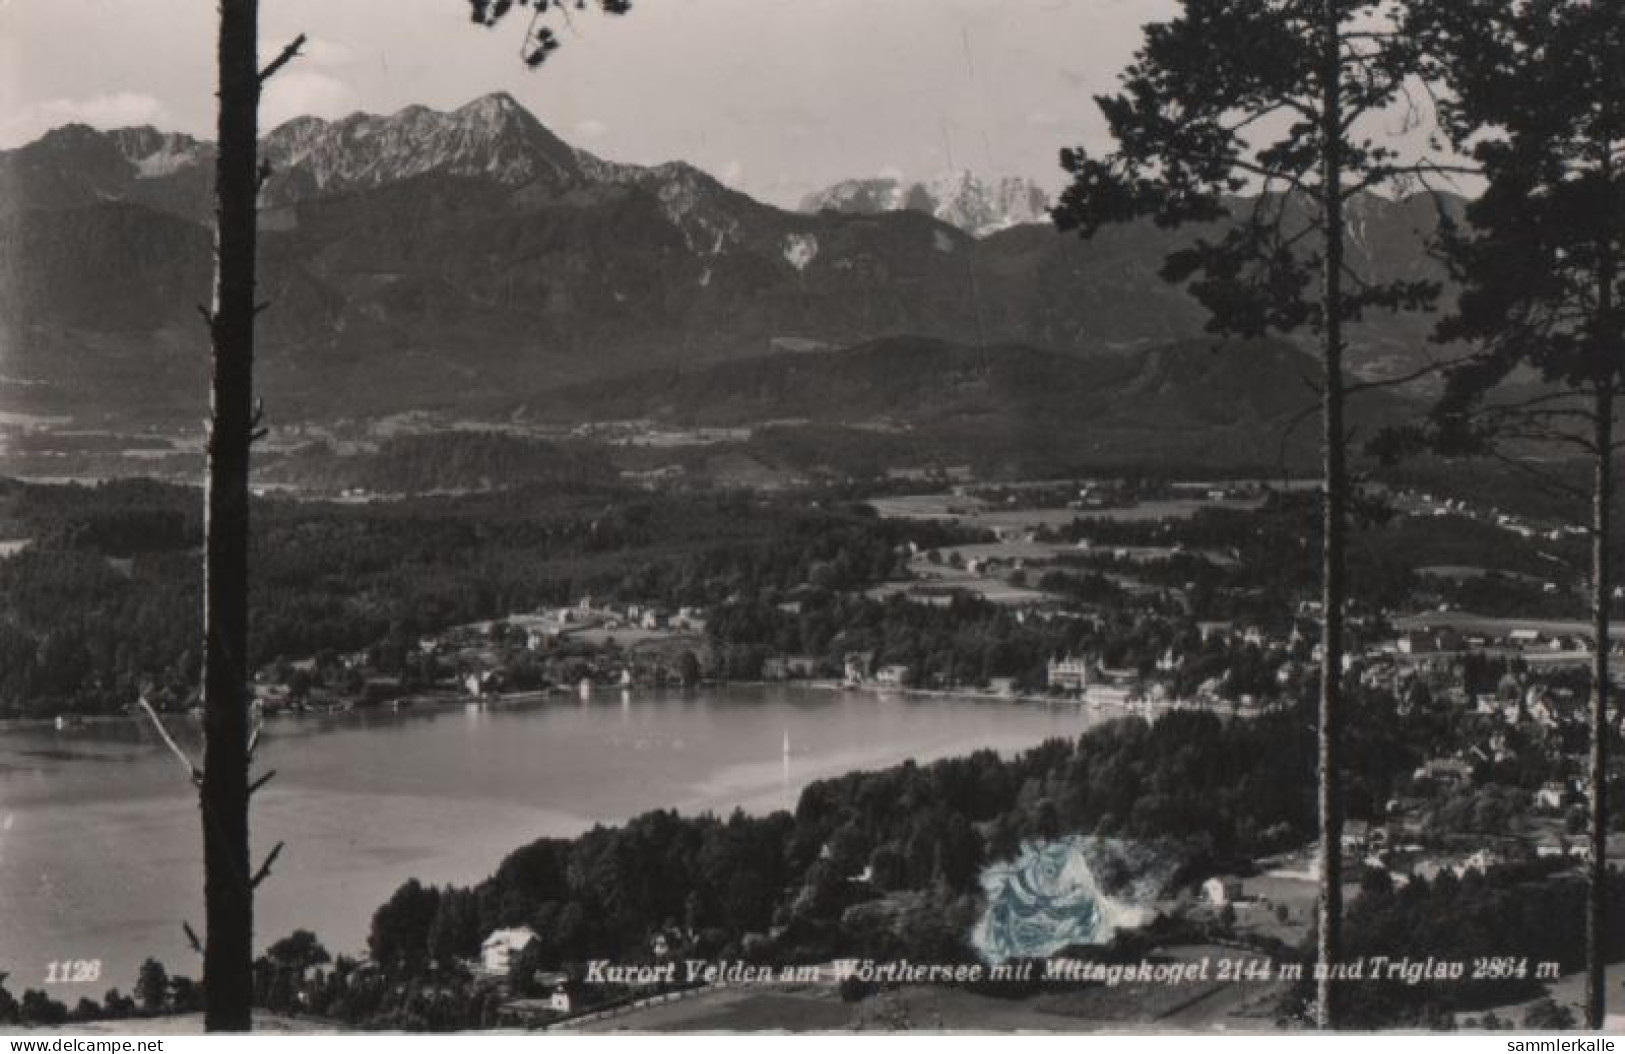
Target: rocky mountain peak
(492, 137)
(975, 205)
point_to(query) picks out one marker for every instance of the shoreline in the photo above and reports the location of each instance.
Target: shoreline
(453, 697)
(313, 816)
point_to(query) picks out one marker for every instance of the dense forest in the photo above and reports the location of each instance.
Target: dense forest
(1206, 791)
(105, 599)
(886, 864)
(1497, 923)
(457, 461)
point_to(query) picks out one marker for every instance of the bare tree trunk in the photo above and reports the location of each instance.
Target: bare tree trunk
(228, 891)
(1602, 500)
(1602, 495)
(1333, 506)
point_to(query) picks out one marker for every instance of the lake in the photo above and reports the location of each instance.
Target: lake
(100, 854)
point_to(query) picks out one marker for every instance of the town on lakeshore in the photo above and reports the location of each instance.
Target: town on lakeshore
(1125, 599)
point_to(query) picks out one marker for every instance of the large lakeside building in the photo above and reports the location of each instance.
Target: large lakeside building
(1070, 673)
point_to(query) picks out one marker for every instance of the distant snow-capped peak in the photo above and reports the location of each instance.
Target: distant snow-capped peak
(975, 205)
(155, 154)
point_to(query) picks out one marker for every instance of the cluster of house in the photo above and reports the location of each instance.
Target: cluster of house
(1387, 849)
(598, 671)
(792, 668)
(1445, 640)
(859, 670)
(1518, 525)
(1091, 681)
(542, 630)
(1552, 707)
(1102, 493)
(560, 994)
(1295, 652)
(499, 952)
(474, 657)
(348, 683)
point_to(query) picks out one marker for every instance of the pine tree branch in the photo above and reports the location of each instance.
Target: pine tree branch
(1354, 276)
(265, 869)
(530, 32)
(1297, 106)
(1419, 170)
(288, 54)
(1530, 403)
(1372, 34)
(193, 773)
(1286, 434)
(1544, 479)
(1404, 378)
(1532, 434)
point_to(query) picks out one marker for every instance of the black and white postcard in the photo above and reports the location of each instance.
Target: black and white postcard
(848, 516)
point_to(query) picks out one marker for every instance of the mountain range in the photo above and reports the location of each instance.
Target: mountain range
(962, 199)
(461, 260)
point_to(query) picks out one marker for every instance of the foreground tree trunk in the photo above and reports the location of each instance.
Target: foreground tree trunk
(228, 890)
(1602, 497)
(1602, 500)
(1333, 506)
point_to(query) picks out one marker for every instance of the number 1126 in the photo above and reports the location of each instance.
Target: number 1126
(73, 971)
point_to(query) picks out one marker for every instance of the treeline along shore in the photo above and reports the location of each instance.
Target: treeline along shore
(887, 865)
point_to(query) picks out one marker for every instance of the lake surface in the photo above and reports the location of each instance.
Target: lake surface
(100, 850)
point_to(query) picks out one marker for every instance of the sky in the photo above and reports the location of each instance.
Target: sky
(775, 97)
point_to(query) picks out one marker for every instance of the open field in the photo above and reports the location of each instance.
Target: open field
(1461, 572)
(633, 636)
(933, 579)
(939, 590)
(1172, 509)
(974, 512)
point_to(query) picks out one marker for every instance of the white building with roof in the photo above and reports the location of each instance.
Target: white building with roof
(502, 947)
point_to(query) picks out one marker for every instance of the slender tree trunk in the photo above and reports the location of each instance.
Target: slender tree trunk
(1602, 495)
(1333, 506)
(229, 900)
(1602, 500)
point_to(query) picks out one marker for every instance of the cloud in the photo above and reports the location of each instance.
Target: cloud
(324, 54)
(591, 128)
(116, 110)
(732, 173)
(305, 93)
